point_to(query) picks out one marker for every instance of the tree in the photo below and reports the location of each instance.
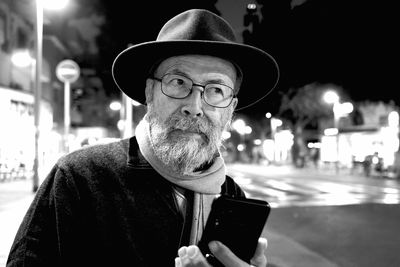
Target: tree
(303, 108)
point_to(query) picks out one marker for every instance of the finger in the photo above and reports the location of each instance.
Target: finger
(225, 255)
(182, 251)
(178, 262)
(192, 257)
(259, 259)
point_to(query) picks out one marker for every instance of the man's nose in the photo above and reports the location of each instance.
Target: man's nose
(193, 104)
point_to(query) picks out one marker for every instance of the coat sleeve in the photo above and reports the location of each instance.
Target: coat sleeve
(49, 216)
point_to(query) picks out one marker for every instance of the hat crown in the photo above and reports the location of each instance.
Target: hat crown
(197, 24)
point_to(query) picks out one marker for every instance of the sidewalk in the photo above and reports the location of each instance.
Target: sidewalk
(15, 197)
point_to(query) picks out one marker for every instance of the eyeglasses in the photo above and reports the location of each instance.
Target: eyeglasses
(179, 87)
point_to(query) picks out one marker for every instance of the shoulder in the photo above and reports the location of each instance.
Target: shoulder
(100, 155)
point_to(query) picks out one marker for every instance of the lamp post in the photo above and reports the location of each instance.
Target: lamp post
(38, 28)
(339, 110)
(331, 97)
(37, 88)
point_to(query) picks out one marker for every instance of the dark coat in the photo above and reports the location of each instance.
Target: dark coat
(102, 206)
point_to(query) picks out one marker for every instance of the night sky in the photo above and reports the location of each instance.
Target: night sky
(347, 43)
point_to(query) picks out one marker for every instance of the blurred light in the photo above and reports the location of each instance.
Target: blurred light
(375, 160)
(331, 131)
(331, 97)
(54, 4)
(226, 135)
(21, 58)
(115, 105)
(314, 145)
(342, 109)
(239, 125)
(240, 147)
(247, 130)
(257, 142)
(393, 119)
(121, 125)
(347, 107)
(268, 115)
(252, 6)
(268, 148)
(275, 123)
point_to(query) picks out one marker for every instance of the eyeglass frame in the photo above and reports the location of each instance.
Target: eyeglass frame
(191, 89)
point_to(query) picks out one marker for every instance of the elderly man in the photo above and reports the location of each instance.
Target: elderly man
(144, 201)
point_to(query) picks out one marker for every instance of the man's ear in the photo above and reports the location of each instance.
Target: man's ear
(235, 100)
(149, 90)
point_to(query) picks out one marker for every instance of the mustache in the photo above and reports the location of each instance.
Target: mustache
(196, 125)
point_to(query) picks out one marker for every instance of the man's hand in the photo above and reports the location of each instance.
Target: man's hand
(191, 256)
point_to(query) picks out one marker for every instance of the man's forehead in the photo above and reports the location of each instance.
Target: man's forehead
(198, 63)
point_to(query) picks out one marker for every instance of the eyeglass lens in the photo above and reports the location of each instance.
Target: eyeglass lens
(214, 94)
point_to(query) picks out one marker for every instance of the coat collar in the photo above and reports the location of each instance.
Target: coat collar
(135, 157)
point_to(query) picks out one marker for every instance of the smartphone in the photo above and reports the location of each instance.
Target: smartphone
(237, 223)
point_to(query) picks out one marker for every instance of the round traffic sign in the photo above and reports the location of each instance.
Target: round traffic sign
(67, 71)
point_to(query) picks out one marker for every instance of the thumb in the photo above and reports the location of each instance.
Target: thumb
(259, 259)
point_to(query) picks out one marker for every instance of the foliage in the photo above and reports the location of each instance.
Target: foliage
(304, 106)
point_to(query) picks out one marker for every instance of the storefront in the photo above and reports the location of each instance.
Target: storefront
(17, 134)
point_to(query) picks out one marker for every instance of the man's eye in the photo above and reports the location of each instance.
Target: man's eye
(216, 91)
(177, 82)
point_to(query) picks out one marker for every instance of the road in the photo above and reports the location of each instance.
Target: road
(284, 186)
(320, 218)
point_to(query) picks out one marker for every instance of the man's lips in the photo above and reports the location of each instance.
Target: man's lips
(189, 132)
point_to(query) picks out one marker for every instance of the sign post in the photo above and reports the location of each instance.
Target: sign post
(67, 71)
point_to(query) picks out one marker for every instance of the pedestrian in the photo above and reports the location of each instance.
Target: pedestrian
(144, 201)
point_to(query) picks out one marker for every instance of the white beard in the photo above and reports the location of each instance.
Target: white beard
(177, 145)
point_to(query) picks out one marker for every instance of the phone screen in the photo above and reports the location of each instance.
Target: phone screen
(237, 223)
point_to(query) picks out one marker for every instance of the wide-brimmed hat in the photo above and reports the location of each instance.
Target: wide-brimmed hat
(197, 31)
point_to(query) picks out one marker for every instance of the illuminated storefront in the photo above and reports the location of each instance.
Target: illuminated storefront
(17, 134)
(355, 146)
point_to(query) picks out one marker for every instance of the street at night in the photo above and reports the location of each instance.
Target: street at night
(323, 219)
(318, 218)
(319, 137)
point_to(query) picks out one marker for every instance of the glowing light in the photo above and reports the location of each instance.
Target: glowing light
(21, 58)
(240, 126)
(54, 4)
(240, 147)
(121, 125)
(393, 119)
(331, 131)
(226, 135)
(115, 105)
(247, 129)
(275, 123)
(331, 97)
(257, 142)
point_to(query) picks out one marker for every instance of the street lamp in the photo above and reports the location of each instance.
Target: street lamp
(339, 110)
(38, 27)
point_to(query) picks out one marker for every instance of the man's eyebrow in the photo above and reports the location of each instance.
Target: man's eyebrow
(180, 72)
(218, 81)
(177, 71)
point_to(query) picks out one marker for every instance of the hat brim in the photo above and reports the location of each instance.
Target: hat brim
(131, 67)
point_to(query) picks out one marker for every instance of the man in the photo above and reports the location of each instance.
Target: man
(144, 201)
